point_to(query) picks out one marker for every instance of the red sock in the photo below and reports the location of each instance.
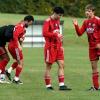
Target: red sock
(18, 71)
(47, 80)
(14, 65)
(95, 78)
(3, 64)
(61, 80)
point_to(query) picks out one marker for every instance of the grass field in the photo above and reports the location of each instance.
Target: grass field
(77, 69)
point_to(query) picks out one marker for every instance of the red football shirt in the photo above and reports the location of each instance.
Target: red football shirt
(19, 32)
(92, 28)
(51, 29)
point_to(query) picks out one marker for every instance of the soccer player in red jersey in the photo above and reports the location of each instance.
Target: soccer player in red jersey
(53, 50)
(92, 27)
(15, 48)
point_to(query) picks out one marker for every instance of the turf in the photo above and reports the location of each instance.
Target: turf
(77, 69)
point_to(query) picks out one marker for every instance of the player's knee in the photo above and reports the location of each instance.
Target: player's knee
(6, 60)
(61, 66)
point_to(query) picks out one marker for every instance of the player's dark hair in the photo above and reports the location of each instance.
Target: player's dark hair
(90, 6)
(58, 10)
(28, 18)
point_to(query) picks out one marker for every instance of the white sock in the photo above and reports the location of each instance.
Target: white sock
(16, 78)
(61, 84)
(48, 85)
(10, 69)
(0, 71)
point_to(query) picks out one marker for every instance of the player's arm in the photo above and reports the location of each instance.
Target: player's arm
(81, 30)
(98, 36)
(46, 32)
(21, 39)
(16, 33)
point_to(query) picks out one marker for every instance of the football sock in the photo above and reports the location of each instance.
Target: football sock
(48, 81)
(61, 80)
(0, 71)
(95, 78)
(16, 78)
(14, 65)
(10, 69)
(3, 64)
(18, 71)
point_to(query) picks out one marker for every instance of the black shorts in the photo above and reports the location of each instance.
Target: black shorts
(2, 42)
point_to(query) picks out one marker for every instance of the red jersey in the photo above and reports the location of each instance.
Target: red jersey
(19, 32)
(92, 28)
(51, 29)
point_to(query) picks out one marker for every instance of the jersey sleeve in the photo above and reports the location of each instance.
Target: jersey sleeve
(98, 33)
(17, 31)
(99, 22)
(46, 32)
(80, 30)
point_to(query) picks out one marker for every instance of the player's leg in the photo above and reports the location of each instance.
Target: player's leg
(15, 64)
(60, 62)
(62, 86)
(61, 72)
(49, 61)
(9, 70)
(47, 76)
(18, 68)
(95, 74)
(4, 59)
(18, 73)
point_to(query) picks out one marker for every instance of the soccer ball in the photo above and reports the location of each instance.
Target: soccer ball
(2, 77)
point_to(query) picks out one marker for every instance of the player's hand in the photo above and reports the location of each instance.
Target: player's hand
(56, 31)
(98, 46)
(75, 22)
(20, 47)
(60, 37)
(21, 41)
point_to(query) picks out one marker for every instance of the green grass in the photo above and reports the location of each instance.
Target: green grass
(77, 69)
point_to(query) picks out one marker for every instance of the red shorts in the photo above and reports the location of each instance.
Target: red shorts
(3, 50)
(53, 54)
(12, 51)
(94, 54)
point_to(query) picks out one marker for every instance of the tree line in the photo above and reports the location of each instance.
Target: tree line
(44, 7)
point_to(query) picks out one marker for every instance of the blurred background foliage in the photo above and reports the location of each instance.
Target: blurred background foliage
(44, 7)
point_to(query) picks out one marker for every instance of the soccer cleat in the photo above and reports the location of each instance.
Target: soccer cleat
(8, 75)
(4, 81)
(94, 89)
(64, 87)
(50, 88)
(17, 82)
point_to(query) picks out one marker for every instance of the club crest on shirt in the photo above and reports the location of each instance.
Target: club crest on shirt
(90, 30)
